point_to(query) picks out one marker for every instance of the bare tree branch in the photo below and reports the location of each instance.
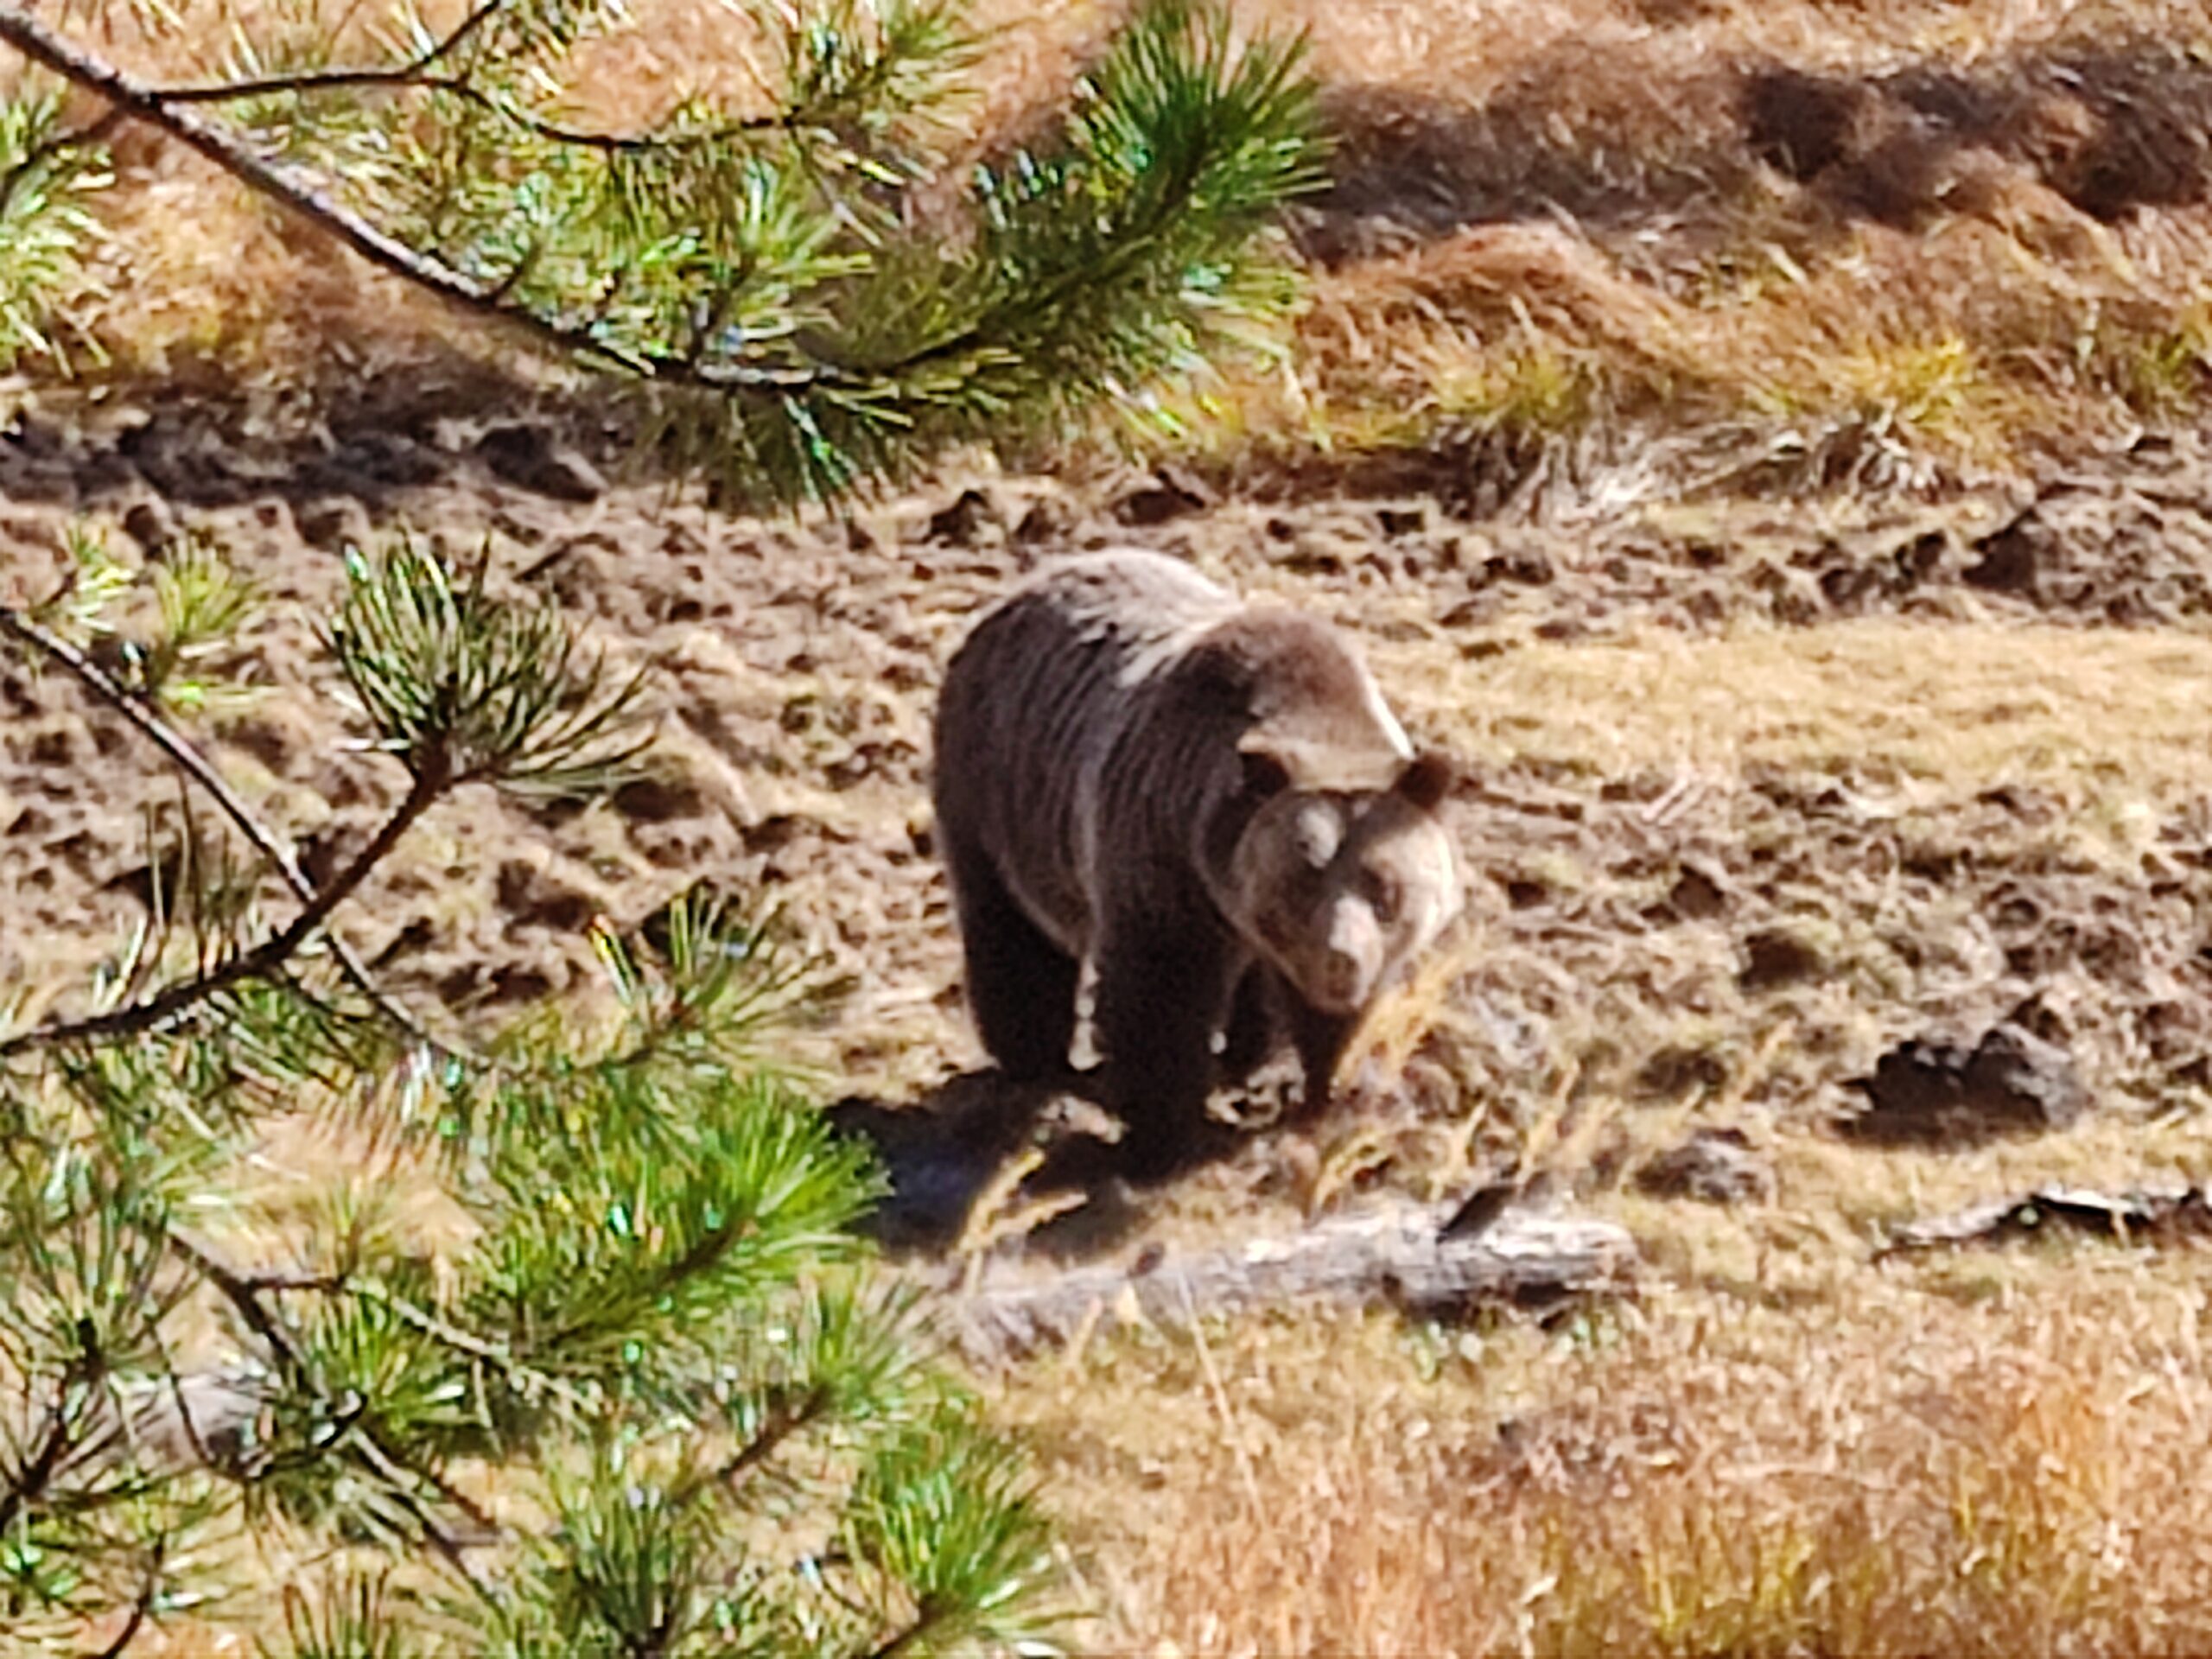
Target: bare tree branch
(195, 765)
(413, 78)
(429, 783)
(157, 109)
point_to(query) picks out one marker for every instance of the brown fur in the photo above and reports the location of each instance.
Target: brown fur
(1207, 801)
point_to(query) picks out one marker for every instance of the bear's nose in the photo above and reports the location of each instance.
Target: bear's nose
(1354, 950)
(1345, 974)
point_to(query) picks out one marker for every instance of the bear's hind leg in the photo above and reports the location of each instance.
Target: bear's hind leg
(1158, 1003)
(1021, 986)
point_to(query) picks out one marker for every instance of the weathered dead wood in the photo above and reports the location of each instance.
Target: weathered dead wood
(1411, 1260)
(2149, 1211)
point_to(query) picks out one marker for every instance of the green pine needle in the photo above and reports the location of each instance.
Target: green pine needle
(47, 186)
(464, 687)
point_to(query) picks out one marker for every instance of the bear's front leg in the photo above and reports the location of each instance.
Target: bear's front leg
(1158, 1001)
(1248, 1038)
(1320, 1040)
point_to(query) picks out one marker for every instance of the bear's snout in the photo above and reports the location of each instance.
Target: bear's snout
(1351, 961)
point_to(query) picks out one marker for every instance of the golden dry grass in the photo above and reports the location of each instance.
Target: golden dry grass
(1943, 710)
(1779, 1446)
(1967, 1458)
(1552, 219)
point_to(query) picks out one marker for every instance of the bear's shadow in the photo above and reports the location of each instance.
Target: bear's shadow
(947, 1150)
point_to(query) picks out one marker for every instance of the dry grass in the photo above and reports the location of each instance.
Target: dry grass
(1632, 215)
(1965, 1458)
(1972, 235)
(1778, 1446)
(1980, 238)
(1934, 711)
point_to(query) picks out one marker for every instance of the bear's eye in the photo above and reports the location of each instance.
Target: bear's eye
(1385, 896)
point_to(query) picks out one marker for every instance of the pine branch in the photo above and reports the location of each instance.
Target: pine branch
(662, 1236)
(195, 765)
(429, 782)
(240, 1290)
(1098, 270)
(29, 1484)
(148, 104)
(48, 148)
(141, 1605)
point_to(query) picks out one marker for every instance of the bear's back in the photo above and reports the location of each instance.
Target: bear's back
(1052, 681)
(1101, 711)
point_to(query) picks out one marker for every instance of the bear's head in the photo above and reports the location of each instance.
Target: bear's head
(1339, 888)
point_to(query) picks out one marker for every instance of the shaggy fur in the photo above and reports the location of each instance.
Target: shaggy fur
(1207, 801)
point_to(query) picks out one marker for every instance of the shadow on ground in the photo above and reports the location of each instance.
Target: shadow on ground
(958, 1146)
(376, 439)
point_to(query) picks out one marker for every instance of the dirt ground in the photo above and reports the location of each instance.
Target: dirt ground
(1764, 443)
(1754, 788)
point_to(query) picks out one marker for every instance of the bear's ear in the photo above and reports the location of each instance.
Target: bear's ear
(1427, 779)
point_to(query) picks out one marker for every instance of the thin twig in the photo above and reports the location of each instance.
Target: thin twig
(442, 1537)
(430, 781)
(482, 14)
(238, 1291)
(400, 1472)
(326, 1284)
(784, 1420)
(196, 766)
(142, 1605)
(30, 1482)
(430, 1325)
(143, 103)
(411, 77)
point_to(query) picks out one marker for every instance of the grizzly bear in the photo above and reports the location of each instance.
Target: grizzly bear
(1206, 801)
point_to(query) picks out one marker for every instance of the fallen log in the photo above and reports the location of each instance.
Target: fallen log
(1428, 1264)
(2146, 1212)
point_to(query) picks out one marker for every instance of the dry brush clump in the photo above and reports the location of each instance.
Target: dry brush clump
(1870, 1461)
(1608, 221)
(1978, 242)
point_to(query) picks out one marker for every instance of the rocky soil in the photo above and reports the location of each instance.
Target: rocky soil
(1759, 787)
